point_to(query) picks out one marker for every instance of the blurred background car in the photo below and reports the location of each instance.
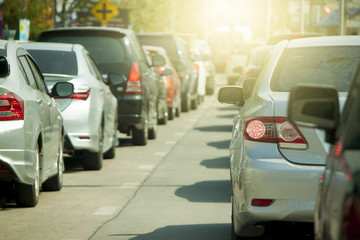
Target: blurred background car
(180, 57)
(117, 50)
(172, 82)
(161, 104)
(239, 56)
(90, 114)
(210, 70)
(31, 135)
(337, 214)
(275, 165)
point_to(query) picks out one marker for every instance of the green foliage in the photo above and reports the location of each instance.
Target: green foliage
(39, 12)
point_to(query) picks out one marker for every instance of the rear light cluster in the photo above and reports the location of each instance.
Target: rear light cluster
(161, 69)
(11, 107)
(5, 169)
(274, 130)
(261, 202)
(83, 95)
(133, 85)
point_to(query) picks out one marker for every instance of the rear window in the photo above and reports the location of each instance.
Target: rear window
(55, 62)
(333, 66)
(166, 42)
(109, 53)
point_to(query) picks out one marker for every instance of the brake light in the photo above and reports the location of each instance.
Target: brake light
(197, 67)
(133, 85)
(11, 107)
(261, 202)
(4, 169)
(274, 130)
(84, 95)
(352, 219)
(161, 69)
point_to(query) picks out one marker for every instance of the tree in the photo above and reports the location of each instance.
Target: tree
(39, 12)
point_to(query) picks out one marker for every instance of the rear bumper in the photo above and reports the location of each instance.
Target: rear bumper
(131, 112)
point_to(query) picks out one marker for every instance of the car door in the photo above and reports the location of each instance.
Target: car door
(49, 116)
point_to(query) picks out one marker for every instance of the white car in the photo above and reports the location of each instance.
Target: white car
(31, 133)
(274, 165)
(90, 114)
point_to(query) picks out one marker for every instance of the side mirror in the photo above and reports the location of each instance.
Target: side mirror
(4, 67)
(158, 60)
(316, 107)
(62, 90)
(167, 72)
(231, 95)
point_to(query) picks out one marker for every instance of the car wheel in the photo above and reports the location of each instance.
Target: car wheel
(140, 136)
(93, 160)
(185, 103)
(163, 120)
(28, 195)
(55, 183)
(171, 111)
(178, 111)
(110, 154)
(194, 104)
(152, 131)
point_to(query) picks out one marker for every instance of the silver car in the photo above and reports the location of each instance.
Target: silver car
(90, 114)
(31, 133)
(274, 165)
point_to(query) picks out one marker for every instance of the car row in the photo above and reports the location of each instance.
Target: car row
(275, 165)
(69, 93)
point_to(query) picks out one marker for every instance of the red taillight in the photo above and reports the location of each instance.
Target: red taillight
(4, 169)
(261, 202)
(11, 107)
(352, 219)
(78, 95)
(197, 67)
(275, 130)
(161, 69)
(133, 85)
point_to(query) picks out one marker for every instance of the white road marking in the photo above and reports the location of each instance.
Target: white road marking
(160, 153)
(170, 142)
(129, 185)
(146, 167)
(179, 134)
(105, 211)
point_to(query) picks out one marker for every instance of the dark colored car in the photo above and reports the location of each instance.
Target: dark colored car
(117, 50)
(337, 213)
(180, 57)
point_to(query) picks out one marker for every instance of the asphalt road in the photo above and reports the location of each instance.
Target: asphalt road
(176, 187)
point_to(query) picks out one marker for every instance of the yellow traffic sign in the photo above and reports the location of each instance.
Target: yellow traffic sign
(104, 11)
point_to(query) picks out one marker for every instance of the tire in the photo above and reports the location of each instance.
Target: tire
(110, 154)
(139, 136)
(178, 112)
(171, 111)
(93, 160)
(163, 120)
(152, 132)
(28, 195)
(194, 104)
(55, 182)
(185, 104)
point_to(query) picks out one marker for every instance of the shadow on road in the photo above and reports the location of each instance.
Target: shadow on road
(231, 116)
(220, 145)
(188, 232)
(208, 191)
(220, 162)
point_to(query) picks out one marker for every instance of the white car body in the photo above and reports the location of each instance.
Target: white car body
(30, 146)
(278, 181)
(90, 122)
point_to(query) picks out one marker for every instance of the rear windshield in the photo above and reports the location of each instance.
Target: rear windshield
(109, 53)
(160, 41)
(333, 66)
(55, 62)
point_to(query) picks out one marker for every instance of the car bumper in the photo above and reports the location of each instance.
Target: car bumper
(17, 152)
(267, 175)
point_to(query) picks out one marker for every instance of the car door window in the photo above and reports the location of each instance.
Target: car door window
(38, 76)
(92, 66)
(29, 75)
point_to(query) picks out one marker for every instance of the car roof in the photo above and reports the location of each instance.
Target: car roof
(68, 47)
(324, 41)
